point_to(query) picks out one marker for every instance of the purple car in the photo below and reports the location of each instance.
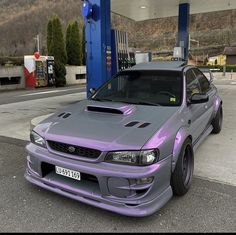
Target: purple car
(130, 146)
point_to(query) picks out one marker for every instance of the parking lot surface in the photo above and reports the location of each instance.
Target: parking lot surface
(210, 205)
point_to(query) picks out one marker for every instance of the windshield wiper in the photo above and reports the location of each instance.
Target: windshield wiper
(148, 103)
(101, 100)
(139, 103)
(127, 102)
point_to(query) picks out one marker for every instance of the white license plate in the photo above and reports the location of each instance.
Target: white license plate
(68, 173)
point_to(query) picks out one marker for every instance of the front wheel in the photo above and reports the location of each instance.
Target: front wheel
(181, 179)
(218, 121)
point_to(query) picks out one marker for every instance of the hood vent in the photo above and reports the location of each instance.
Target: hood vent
(67, 115)
(131, 124)
(104, 110)
(144, 125)
(64, 115)
(60, 115)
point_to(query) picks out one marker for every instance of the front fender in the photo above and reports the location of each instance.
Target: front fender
(181, 136)
(217, 103)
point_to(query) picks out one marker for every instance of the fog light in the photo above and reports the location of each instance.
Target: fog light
(145, 180)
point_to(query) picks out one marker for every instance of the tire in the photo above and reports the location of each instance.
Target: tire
(182, 176)
(218, 121)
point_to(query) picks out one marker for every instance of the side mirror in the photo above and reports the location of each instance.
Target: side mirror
(92, 91)
(199, 99)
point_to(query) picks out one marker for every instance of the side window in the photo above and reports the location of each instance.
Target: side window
(193, 86)
(203, 81)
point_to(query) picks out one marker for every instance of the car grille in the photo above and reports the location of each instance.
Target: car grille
(74, 150)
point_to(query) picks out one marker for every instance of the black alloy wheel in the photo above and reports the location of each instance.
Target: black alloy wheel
(182, 176)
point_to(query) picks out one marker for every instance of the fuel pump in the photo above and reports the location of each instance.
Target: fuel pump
(178, 54)
(45, 71)
(39, 71)
(40, 66)
(121, 57)
(50, 71)
(132, 61)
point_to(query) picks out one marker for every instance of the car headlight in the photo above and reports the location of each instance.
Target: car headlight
(37, 139)
(136, 158)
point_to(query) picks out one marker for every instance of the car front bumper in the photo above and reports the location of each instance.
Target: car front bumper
(108, 186)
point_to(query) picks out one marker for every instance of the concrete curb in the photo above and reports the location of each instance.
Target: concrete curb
(34, 122)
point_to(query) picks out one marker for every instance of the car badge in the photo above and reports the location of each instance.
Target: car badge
(71, 149)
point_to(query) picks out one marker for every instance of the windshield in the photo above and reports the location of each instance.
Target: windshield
(143, 87)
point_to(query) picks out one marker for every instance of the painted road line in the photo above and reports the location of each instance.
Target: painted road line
(49, 92)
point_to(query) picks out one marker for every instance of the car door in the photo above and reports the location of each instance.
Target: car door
(208, 108)
(194, 112)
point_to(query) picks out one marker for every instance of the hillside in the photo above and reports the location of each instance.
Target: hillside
(22, 20)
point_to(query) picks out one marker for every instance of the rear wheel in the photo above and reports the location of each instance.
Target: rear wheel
(181, 179)
(218, 121)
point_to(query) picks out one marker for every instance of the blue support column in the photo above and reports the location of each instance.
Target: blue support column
(183, 35)
(98, 43)
(114, 53)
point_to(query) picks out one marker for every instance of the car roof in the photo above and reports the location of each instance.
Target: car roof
(162, 65)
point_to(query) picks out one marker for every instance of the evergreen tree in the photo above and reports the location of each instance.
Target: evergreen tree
(68, 43)
(74, 45)
(56, 48)
(49, 36)
(58, 43)
(60, 73)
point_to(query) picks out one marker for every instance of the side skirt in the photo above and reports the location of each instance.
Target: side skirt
(202, 138)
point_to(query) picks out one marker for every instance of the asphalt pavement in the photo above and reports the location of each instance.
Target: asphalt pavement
(210, 205)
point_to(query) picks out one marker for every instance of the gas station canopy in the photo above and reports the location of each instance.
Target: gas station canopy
(103, 42)
(139, 10)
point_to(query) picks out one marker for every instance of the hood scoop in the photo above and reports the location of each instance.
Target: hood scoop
(104, 110)
(114, 109)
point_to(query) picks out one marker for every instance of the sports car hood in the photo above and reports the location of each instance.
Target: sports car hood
(105, 126)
